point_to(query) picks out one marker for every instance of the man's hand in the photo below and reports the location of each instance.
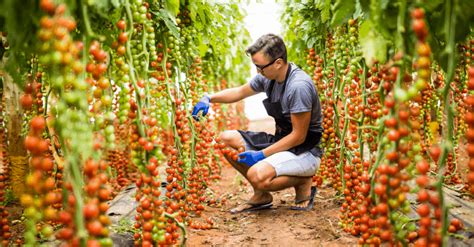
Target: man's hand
(251, 157)
(202, 105)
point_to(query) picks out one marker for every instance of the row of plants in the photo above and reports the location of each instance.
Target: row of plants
(395, 82)
(108, 87)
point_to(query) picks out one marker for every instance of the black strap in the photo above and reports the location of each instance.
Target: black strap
(272, 84)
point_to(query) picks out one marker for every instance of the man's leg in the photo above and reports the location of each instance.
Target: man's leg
(263, 176)
(233, 139)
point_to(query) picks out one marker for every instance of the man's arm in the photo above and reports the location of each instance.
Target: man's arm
(300, 122)
(232, 95)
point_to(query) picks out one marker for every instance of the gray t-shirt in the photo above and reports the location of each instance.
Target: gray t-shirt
(300, 96)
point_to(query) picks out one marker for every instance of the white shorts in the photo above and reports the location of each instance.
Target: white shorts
(289, 164)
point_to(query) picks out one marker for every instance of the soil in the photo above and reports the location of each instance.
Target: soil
(277, 226)
(17, 227)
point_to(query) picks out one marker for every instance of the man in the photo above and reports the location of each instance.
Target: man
(290, 157)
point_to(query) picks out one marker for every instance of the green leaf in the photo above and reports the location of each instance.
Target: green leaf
(343, 10)
(192, 10)
(389, 18)
(325, 10)
(374, 46)
(432, 4)
(115, 3)
(101, 6)
(311, 41)
(358, 11)
(364, 5)
(169, 21)
(172, 6)
(465, 14)
(384, 3)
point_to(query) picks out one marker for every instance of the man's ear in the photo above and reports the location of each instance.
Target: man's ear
(280, 62)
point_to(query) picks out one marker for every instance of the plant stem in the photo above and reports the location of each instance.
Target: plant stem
(132, 71)
(450, 25)
(180, 225)
(85, 18)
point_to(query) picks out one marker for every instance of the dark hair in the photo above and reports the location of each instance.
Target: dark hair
(271, 45)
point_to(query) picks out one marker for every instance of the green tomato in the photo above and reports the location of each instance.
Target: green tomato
(400, 94)
(126, 78)
(56, 57)
(30, 238)
(110, 116)
(420, 84)
(47, 231)
(161, 238)
(401, 233)
(46, 59)
(416, 148)
(393, 203)
(411, 227)
(125, 68)
(58, 82)
(100, 121)
(109, 130)
(80, 85)
(406, 209)
(106, 100)
(106, 242)
(30, 224)
(110, 138)
(136, 15)
(70, 98)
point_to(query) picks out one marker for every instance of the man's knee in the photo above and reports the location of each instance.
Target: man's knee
(258, 178)
(230, 137)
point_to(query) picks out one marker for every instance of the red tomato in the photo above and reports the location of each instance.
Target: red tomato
(91, 210)
(423, 210)
(121, 25)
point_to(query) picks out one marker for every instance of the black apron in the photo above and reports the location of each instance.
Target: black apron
(283, 127)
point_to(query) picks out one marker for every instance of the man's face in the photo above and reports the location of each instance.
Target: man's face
(266, 66)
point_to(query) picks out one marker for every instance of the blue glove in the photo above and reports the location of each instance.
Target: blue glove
(202, 105)
(251, 157)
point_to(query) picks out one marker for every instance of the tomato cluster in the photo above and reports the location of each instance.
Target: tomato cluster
(469, 101)
(380, 121)
(95, 204)
(40, 202)
(330, 139)
(117, 103)
(5, 233)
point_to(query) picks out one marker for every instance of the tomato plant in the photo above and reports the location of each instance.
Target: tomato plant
(107, 92)
(395, 107)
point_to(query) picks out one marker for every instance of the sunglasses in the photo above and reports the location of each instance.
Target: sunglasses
(261, 68)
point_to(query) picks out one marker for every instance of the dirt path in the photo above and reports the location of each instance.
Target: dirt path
(277, 226)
